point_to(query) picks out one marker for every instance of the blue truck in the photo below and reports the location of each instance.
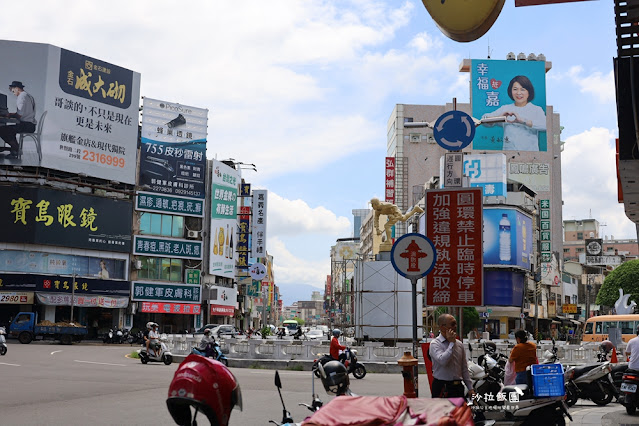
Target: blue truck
(24, 327)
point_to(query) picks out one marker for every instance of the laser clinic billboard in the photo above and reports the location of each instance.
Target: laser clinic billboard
(173, 152)
(515, 90)
(86, 108)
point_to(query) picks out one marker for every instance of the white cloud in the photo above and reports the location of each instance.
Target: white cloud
(289, 268)
(296, 217)
(597, 84)
(589, 183)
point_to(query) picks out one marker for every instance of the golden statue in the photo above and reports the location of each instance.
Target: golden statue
(394, 215)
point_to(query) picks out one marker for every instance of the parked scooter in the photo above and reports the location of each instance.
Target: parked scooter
(591, 382)
(618, 370)
(212, 350)
(550, 355)
(3, 341)
(350, 361)
(108, 336)
(136, 338)
(487, 378)
(158, 352)
(628, 397)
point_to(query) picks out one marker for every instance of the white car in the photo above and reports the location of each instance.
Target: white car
(315, 334)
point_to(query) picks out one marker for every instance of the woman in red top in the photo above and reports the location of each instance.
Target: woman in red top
(335, 346)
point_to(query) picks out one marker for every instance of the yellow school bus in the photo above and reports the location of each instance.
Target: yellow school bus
(596, 328)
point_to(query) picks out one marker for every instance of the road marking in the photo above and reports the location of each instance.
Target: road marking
(101, 363)
(55, 352)
(13, 365)
(282, 373)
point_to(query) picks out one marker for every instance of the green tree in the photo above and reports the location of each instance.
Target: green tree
(300, 321)
(470, 315)
(626, 277)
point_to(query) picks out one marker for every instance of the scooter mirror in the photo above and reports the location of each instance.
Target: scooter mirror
(278, 382)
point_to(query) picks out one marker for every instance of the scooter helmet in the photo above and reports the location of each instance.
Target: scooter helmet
(334, 377)
(490, 348)
(337, 332)
(206, 385)
(149, 325)
(606, 346)
(207, 331)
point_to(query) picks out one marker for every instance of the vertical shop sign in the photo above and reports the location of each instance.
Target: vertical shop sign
(390, 180)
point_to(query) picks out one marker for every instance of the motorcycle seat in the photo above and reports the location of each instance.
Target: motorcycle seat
(580, 371)
(620, 368)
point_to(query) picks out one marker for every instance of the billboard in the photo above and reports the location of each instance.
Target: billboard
(224, 202)
(508, 238)
(173, 151)
(515, 90)
(535, 176)
(389, 178)
(47, 216)
(87, 110)
(35, 262)
(62, 284)
(503, 287)
(454, 225)
(258, 235)
(486, 171)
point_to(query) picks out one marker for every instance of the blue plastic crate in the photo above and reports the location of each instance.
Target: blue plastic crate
(548, 380)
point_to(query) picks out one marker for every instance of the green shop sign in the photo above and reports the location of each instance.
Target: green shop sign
(192, 276)
(160, 292)
(167, 247)
(169, 204)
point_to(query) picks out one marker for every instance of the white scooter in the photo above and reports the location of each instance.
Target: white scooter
(158, 352)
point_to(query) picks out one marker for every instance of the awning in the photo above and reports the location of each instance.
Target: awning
(555, 322)
(84, 300)
(575, 322)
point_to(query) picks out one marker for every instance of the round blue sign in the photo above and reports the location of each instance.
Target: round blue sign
(454, 130)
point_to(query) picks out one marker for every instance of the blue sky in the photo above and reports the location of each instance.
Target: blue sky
(304, 90)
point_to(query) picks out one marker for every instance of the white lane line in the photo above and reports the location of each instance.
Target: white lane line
(55, 352)
(13, 365)
(101, 363)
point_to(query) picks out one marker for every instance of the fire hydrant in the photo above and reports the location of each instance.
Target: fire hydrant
(408, 364)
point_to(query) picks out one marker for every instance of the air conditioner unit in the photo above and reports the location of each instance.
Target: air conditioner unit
(415, 137)
(137, 264)
(193, 234)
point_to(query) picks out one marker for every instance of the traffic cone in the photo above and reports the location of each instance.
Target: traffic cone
(613, 357)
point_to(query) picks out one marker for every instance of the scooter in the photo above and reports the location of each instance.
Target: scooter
(213, 350)
(518, 405)
(108, 337)
(589, 382)
(3, 341)
(349, 360)
(487, 378)
(628, 397)
(158, 352)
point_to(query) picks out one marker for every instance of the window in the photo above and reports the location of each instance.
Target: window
(157, 268)
(568, 300)
(627, 327)
(580, 235)
(608, 325)
(164, 225)
(588, 329)
(566, 250)
(580, 249)
(598, 328)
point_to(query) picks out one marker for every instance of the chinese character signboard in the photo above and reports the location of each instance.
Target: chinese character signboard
(224, 204)
(173, 151)
(192, 276)
(535, 176)
(569, 309)
(167, 247)
(486, 171)
(258, 239)
(243, 238)
(515, 90)
(87, 108)
(64, 299)
(163, 292)
(222, 310)
(161, 203)
(390, 180)
(62, 284)
(454, 225)
(16, 297)
(47, 216)
(170, 308)
(453, 169)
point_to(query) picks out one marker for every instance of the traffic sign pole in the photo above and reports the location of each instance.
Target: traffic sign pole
(413, 283)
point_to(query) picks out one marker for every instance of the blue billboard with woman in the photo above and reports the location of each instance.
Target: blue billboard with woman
(516, 91)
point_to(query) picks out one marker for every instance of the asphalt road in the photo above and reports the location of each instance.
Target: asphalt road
(52, 384)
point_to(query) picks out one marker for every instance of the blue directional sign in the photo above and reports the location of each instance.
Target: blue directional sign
(454, 130)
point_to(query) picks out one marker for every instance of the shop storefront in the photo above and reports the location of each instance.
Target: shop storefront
(176, 307)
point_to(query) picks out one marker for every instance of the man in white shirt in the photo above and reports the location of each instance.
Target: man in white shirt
(632, 350)
(154, 336)
(449, 361)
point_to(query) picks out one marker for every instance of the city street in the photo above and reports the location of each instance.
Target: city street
(47, 383)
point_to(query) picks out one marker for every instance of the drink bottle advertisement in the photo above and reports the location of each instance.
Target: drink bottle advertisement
(508, 238)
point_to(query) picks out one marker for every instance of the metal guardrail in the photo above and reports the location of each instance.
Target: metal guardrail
(569, 354)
